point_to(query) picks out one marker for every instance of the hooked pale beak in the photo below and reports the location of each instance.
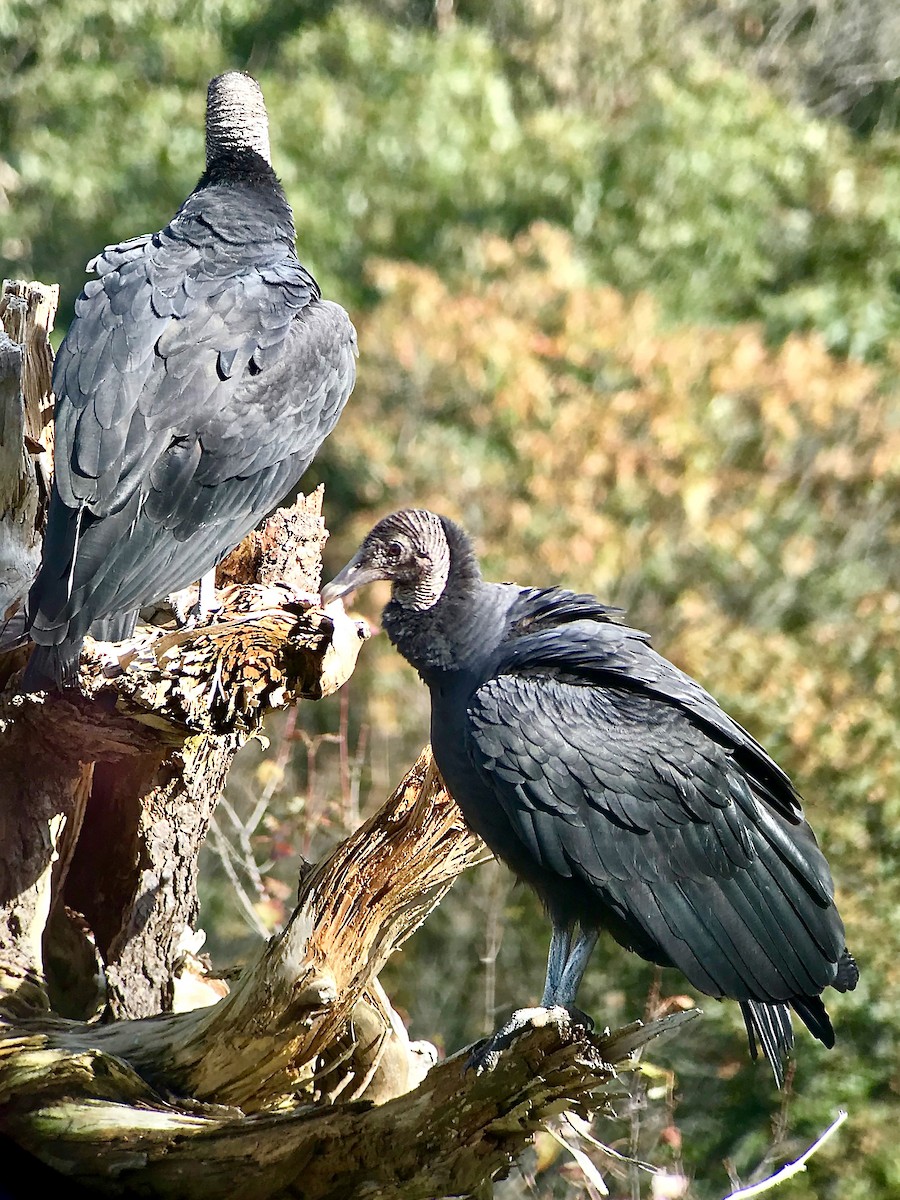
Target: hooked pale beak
(356, 574)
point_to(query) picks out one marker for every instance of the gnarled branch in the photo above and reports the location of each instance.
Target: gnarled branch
(244, 1088)
(27, 311)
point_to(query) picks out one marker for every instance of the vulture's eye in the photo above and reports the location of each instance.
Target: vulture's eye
(394, 551)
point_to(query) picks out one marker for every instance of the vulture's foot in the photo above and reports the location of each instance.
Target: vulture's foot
(487, 1054)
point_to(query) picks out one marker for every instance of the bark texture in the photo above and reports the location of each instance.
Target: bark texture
(134, 766)
(27, 311)
(450, 1136)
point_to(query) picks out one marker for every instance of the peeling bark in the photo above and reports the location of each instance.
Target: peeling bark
(158, 723)
(259, 1046)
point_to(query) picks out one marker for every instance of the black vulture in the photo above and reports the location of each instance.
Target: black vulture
(613, 784)
(196, 383)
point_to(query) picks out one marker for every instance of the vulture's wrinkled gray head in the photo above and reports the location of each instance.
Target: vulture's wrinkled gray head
(410, 548)
(236, 117)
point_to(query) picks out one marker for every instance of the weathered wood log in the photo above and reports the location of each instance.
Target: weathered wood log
(136, 763)
(450, 1136)
(259, 1046)
(247, 1086)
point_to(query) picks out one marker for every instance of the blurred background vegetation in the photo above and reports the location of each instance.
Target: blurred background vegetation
(627, 283)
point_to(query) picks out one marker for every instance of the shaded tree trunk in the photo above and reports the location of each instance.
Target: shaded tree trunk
(27, 311)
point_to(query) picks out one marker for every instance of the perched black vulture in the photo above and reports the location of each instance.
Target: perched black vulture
(613, 784)
(199, 378)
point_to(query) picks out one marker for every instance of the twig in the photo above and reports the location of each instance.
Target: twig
(222, 848)
(493, 937)
(357, 762)
(780, 1129)
(588, 1169)
(637, 1102)
(285, 745)
(243, 832)
(582, 1129)
(791, 1169)
(350, 764)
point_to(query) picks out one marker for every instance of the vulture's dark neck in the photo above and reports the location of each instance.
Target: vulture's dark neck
(240, 167)
(449, 635)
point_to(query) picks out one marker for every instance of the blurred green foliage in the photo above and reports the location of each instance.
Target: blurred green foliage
(626, 280)
(684, 174)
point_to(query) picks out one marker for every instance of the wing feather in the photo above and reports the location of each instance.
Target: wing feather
(659, 827)
(594, 649)
(193, 391)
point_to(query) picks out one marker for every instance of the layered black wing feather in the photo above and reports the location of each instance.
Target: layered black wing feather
(196, 384)
(594, 648)
(662, 818)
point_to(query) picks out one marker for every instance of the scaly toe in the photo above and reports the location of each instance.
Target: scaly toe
(486, 1055)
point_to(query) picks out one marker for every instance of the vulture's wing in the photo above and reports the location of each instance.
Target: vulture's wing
(626, 793)
(194, 389)
(620, 657)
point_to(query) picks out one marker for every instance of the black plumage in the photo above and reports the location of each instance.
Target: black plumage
(613, 784)
(199, 378)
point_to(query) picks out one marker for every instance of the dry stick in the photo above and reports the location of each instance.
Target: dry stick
(26, 360)
(791, 1169)
(221, 847)
(583, 1161)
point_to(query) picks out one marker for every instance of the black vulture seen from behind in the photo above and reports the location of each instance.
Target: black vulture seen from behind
(613, 784)
(199, 378)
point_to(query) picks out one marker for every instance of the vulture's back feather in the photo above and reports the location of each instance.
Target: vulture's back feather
(200, 376)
